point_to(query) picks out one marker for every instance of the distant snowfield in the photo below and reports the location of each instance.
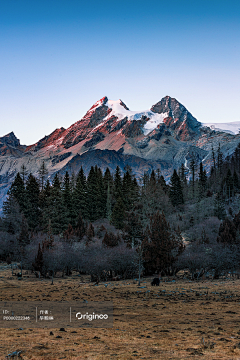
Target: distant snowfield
(231, 127)
(119, 111)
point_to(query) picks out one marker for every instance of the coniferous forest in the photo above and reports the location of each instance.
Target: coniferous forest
(109, 225)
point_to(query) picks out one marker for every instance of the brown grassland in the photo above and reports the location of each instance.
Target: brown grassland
(178, 320)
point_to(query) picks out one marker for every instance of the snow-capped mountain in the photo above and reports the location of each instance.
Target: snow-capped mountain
(110, 134)
(231, 127)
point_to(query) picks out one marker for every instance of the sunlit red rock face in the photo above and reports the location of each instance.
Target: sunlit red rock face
(110, 134)
(106, 117)
(47, 140)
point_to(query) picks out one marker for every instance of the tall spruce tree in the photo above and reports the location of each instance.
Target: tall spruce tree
(153, 180)
(109, 204)
(118, 214)
(193, 171)
(32, 211)
(23, 173)
(92, 193)
(23, 238)
(108, 187)
(127, 190)
(42, 172)
(67, 199)
(202, 183)
(96, 195)
(80, 195)
(182, 174)
(44, 203)
(133, 230)
(213, 158)
(235, 182)
(229, 184)
(17, 189)
(11, 215)
(163, 184)
(219, 158)
(118, 184)
(175, 190)
(102, 196)
(56, 211)
(237, 157)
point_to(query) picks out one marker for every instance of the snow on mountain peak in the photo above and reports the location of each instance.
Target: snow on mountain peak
(120, 110)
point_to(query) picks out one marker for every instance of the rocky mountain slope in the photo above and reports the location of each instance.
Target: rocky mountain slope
(110, 134)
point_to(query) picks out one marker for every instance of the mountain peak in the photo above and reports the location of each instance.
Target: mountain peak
(10, 139)
(178, 118)
(99, 103)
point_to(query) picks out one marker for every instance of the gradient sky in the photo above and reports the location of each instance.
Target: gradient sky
(59, 57)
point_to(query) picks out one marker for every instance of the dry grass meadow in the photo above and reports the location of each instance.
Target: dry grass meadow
(177, 320)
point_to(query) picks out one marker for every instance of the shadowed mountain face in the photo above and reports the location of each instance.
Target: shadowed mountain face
(110, 134)
(10, 145)
(179, 119)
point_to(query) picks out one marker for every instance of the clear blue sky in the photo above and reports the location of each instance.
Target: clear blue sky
(59, 57)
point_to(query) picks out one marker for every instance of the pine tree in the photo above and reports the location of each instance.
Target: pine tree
(17, 190)
(32, 211)
(108, 187)
(136, 190)
(133, 230)
(109, 204)
(182, 174)
(235, 181)
(202, 180)
(92, 193)
(145, 180)
(101, 199)
(49, 239)
(67, 199)
(12, 217)
(229, 183)
(23, 173)
(193, 170)
(219, 158)
(175, 191)
(163, 184)
(118, 214)
(153, 180)
(80, 195)
(56, 210)
(118, 184)
(213, 158)
(107, 179)
(127, 190)
(23, 238)
(42, 174)
(237, 157)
